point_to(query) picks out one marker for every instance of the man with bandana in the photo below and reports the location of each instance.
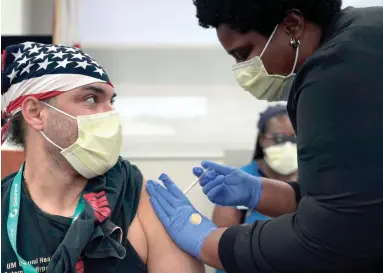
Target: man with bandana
(70, 206)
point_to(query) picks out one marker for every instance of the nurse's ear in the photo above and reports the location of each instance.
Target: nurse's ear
(293, 24)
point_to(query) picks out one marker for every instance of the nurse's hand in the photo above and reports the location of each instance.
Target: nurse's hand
(228, 186)
(185, 225)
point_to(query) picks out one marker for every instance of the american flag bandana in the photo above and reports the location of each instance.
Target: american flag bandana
(43, 71)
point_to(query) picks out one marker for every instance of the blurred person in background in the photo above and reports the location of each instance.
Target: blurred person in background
(335, 107)
(74, 205)
(275, 157)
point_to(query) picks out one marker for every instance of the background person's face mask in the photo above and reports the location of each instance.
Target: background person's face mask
(98, 145)
(282, 158)
(253, 77)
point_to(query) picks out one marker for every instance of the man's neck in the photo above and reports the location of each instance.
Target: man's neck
(54, 189)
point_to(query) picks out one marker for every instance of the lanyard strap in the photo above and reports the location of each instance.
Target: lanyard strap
(13, 217)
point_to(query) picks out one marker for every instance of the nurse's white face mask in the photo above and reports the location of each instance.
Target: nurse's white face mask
(98, 144)
(282, 158)
(253, 77)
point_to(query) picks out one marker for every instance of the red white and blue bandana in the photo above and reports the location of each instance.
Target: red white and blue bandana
(43, 71)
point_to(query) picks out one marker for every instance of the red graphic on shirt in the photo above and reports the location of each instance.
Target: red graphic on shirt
(100, 205)
(80, 266)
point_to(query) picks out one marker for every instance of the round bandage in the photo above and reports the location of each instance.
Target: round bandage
(195, 219)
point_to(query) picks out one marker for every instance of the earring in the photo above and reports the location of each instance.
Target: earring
(295, 43)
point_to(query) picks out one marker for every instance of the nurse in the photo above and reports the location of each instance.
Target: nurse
(335, 106)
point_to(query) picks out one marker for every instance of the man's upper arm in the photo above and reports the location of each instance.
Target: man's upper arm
(163, 255)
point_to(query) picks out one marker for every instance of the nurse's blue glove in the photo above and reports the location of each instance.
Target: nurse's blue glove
(185, 225)
(228, 186)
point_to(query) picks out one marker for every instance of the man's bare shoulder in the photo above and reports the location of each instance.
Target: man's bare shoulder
(153, 244)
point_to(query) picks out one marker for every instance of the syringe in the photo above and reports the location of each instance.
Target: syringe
(195, 182)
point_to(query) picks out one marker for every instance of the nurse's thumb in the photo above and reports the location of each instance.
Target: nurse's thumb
(218, 168)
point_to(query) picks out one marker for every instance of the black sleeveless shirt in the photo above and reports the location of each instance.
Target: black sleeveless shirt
(39, 234)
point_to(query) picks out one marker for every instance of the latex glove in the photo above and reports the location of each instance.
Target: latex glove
(228, 186)
(185, 225)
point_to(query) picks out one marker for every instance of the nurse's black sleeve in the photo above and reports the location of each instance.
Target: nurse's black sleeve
(337, 227)
(297, 190)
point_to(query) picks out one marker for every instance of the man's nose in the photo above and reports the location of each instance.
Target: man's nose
(108, 107)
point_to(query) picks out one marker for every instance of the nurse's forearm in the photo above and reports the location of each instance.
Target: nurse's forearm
(277, 198)
(227, 216)
(209, 253)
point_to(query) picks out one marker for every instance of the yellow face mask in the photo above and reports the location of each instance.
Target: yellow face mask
(98, 145)
(253, 77)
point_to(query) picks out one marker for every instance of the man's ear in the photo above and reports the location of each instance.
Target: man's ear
(32, 113)
(293, 24)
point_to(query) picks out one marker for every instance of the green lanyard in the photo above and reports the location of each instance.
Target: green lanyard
(13, 218)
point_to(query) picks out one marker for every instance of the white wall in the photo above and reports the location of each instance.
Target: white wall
(121, 21)
(142, 22)
(13, 17)
(26, 17)
(166, 22)
(211, 120)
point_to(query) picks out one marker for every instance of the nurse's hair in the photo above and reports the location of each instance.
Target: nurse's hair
(262, 15)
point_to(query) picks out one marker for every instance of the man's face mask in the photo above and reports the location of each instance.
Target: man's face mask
(253, 77)
(98, 144)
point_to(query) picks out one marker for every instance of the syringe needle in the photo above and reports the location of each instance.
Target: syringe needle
(194, 182)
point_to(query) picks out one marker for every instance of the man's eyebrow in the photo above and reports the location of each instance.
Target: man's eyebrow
(97, 90)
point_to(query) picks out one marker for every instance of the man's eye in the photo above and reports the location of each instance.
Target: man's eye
(91, 99)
